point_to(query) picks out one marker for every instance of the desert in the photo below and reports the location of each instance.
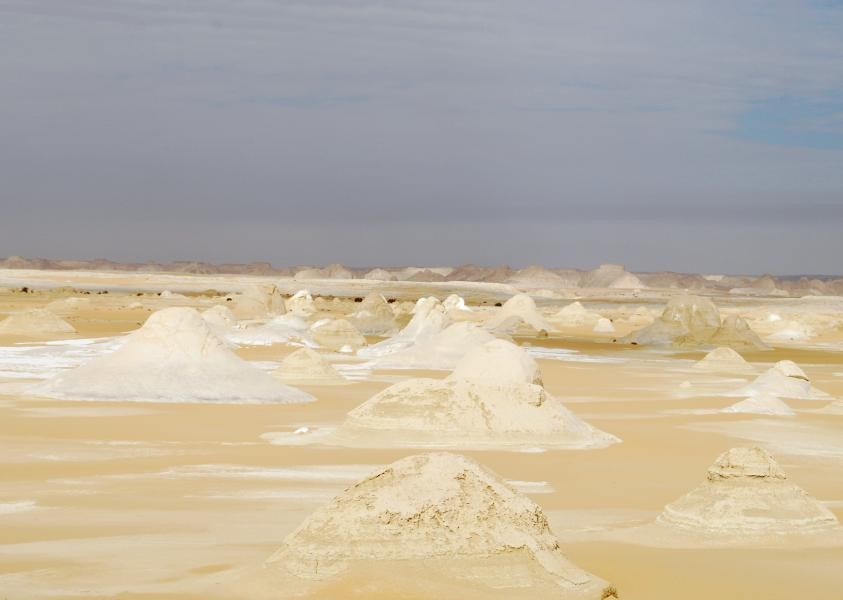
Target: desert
(155, 448)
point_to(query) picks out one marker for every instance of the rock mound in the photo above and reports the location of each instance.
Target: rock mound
(35, 323)
(301, 304)
(604, 325)
(784, 380)
(723, 360)
(685, 321)
(444, 516)
(498, 362)
(441, 351)
(762, 404)
(575, 315)
(379, 275)
(374, 317)
(492, 399)
(337, 335)
(334, 271)
(68, 306)
(258, 301)
(611, 276)
(306, 366)
(429, 318)
(174, 357)
(746, 493)
(426, 275)
(536, 277)
(736, 333)
(517, 313)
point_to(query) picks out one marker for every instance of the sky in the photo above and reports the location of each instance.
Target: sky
(696, 136)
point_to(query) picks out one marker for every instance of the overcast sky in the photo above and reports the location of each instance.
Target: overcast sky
(689, 136)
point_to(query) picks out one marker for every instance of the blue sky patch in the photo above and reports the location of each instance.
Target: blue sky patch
(794, 121)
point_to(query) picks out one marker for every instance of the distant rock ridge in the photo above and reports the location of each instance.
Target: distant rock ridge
(534, 277)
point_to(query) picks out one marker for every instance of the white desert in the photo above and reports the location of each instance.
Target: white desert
(421, 300)
(242, 437)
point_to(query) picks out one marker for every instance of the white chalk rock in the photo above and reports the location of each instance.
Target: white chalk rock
(747, 494)
(432, 517)
(174, 357)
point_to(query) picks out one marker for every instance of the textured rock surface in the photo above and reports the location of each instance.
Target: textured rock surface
(444, 514)
(492, 399)
(746, 493)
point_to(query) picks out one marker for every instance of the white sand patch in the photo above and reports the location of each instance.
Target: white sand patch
(531, 487)
(11, 508)
(42, 361)
(335, 473)
(782, 437)
(567, 355)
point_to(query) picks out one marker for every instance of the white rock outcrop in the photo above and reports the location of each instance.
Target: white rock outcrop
(747, 494)
(174, 357)
(434, 518)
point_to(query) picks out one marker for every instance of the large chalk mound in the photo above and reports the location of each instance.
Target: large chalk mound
(301, 304)
(337, 335)
(691, 321)
(516, 314)
(35, 323)
(306, 366)
(432, 518)
(736, 333)
(784, 380)
(575, 315)
(441, 351)
(723, 360)
(429, 318)
(685, 321)
(611, 276)
(746, 493)
(258, 301)
(174, 357)
(493, 399)
(374, 317)
(762, 404)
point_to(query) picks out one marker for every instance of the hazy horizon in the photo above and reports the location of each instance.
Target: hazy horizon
(683, 136)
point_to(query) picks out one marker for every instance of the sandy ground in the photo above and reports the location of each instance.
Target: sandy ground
(136, 500)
